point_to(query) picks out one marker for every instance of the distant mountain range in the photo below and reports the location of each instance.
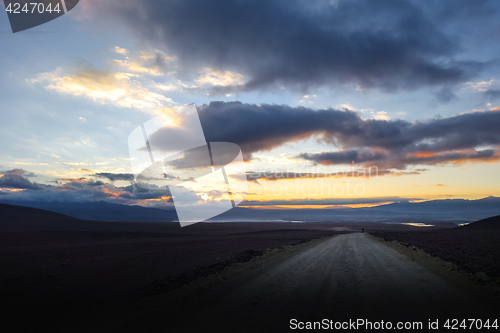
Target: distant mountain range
(452, 210)
(456, 206)
(103, 211)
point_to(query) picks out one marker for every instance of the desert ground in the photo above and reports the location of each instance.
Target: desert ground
(61, 274)
(474, 248)
(347, 276)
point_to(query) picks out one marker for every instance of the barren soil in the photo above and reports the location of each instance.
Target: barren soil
(475, 251)
(348, 276)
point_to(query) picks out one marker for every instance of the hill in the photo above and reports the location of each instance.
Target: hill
(474, 247)
(491, 223)
(28, 218)
(104, 211)
(12, 212)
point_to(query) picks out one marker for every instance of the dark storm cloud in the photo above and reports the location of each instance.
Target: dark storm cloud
(398, 161)
(17, 179)
(492, 94)
(391, 44)
(445, 95)
(116, 176)
(135, 192)
(264, 127)
(81, 183)
(393, 143)
(345, 157)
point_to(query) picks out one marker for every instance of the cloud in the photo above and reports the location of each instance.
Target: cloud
(470, 137)
(220, 78)
(308, 99)
(116, 176)
(381, 115)
(120, 50)
(398, 161)
(391, 45)
(344, 157)
(79, 190)
(492, 94)
(104, 87)
(489, 89)
(445, 95)
(18, 179)
(483, 86)
(155, 63)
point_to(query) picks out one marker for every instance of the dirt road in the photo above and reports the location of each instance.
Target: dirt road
(348, 276)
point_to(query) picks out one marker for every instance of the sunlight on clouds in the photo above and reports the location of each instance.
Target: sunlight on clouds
(151, 63)
(381, 115)
(163, 198)
(172, 87)
(169, 87)
(103, 87)
(120, 50)
(22, 163)
(345, 106)
(11, 189)
(137, 67)
(76, 163)
(221, 78)
(171, 116)
(157, 54)
(483, 86)
(274, 160)
(204, 196)
(309, 99)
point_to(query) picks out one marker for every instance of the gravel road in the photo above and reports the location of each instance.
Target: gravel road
(348, 276)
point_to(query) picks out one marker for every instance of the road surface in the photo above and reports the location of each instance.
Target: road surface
(349, 276)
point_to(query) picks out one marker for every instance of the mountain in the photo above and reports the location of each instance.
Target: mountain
(27, 218)
(486, 205)
(457, 211)
(20, 218)
(10, 213)
(104, 211)
(492, 223)
(451, 210)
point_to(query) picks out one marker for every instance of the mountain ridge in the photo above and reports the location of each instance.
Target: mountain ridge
(455, 210)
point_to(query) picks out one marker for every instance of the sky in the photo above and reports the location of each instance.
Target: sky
(333, 103)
